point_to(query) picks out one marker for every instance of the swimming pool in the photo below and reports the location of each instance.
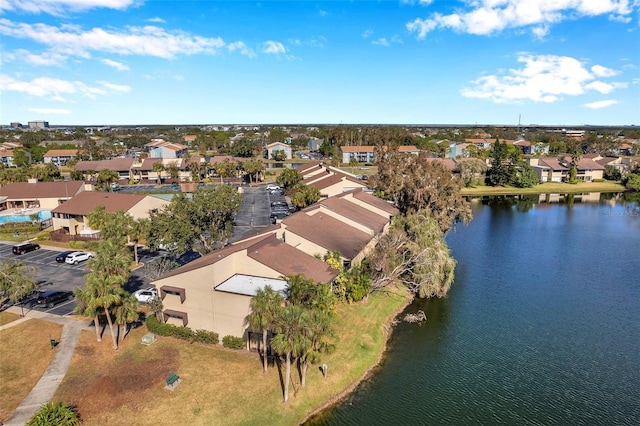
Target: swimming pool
(42, 215)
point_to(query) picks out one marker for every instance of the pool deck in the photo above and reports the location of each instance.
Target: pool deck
(21, 212)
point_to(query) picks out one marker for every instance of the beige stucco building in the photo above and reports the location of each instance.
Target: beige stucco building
(72, 216)
(213, 292)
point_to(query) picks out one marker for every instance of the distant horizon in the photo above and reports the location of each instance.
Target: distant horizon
(433, 125)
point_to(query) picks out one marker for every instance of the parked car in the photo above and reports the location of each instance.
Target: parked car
(115, 187)
(278, 215)
(78, 256)
(272, 187)
(276, 192)
(62, 256)
(25, 248)
(146, 295)
(50, 298)
(279, 204)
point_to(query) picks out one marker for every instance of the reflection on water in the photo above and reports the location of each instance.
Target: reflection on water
(541, 326)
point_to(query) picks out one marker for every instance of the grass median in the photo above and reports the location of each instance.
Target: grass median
(220, 386)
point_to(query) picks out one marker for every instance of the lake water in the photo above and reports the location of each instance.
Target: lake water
(541, 326)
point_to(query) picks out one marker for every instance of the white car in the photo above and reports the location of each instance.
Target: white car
(77, 257)
(145, 295)
(273, 187)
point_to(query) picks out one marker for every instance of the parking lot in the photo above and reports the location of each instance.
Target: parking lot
(51, 275)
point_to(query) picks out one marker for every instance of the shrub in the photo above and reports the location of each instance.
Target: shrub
(204, 336)
(184, 333)
(232, 342)
(80, 245)
(55, 413)
(598, 180)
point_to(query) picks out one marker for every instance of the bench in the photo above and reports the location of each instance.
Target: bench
(172, 381)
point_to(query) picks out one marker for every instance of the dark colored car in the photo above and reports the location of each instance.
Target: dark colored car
(60, 257)
(25, 248)
(50, 298)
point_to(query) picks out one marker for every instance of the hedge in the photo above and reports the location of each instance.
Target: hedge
(232, 342)
(184, 333)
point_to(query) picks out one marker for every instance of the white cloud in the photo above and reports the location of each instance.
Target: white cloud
(42, 59)
(242, 48)
(156, 19)
(48, 111)
(485, 17)
(544, 78)
(367, 33)
(381, 42)
(56, 89)
(58, 7)
(323, 12)
(144, 41)
(600, 71)
(420, 2)
(115, 64)
(601, 104)
(115, 87)
(274, 47)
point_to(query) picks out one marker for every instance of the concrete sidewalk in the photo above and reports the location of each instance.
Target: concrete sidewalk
(46, 387)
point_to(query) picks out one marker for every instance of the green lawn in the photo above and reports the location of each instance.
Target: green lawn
(220, 386)
(547, 188)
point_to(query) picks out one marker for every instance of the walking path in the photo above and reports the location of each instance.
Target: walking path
(46, 387)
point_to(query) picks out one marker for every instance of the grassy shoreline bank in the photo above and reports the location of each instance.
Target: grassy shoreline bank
(546, 188)
(219, 384)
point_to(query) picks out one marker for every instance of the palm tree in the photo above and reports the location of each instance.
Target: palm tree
(105, 293)
(112, 258)
(158, 168)
(264, 310)
(107, 177)
(83, 296)
(16, 281)
(317, 329)
(139, 229)
(126, 312)
(290, 340)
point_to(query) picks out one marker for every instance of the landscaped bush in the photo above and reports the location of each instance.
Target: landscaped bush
(77, 244)
(598, 180)
(204, 336)
(184, 333)
(55, 413)
(232, 342)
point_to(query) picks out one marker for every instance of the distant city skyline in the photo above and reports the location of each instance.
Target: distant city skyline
(565, 63)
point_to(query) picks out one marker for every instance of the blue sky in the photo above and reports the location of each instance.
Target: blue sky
(126, 62)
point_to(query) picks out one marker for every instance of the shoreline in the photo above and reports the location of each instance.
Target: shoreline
(387, 328)
(545, 188)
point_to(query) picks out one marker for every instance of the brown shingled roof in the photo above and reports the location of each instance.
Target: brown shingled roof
(327, 232)
(86, 201)
(213, 257)
(115, 164)
(61, 153)
(309, 166)
(333, 179)
(553, 163)
(588, 164)
(60, 189)
(147, 163)
(374, 201)
(288, 260)
(354, 212)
